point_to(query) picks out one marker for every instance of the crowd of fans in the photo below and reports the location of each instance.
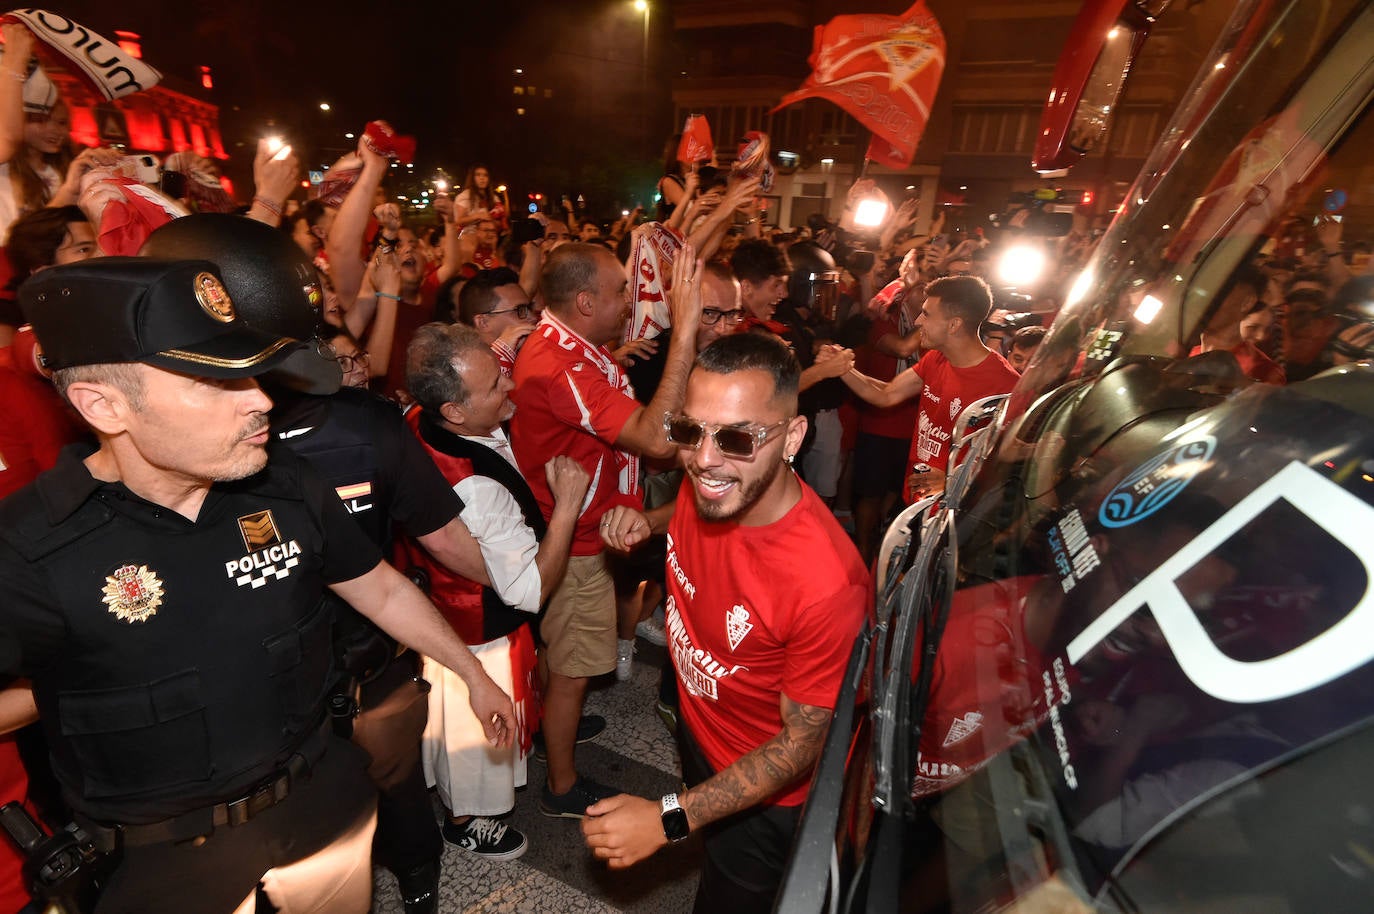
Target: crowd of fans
(466, 315)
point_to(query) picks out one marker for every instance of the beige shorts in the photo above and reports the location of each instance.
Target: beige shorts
(578, 630)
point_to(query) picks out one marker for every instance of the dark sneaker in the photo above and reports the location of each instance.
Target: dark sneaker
(574, 803)
(486, 838)
(420, 888)
(589, 727)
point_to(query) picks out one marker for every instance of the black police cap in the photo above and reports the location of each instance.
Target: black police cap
(274, 286)
(172, 314)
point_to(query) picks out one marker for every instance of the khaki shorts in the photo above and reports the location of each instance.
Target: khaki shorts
(578, 629)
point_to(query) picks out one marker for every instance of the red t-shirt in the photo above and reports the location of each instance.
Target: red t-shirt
(893, 421)
(37, 423)
(758, 612)
(946, 392)
(986, 690)
(572, 398)
(409, 318)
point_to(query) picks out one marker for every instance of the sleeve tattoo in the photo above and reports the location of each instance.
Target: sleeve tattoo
(757, 775)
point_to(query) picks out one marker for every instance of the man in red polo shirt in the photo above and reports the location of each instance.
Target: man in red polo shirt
(573, 398)
(956, 370)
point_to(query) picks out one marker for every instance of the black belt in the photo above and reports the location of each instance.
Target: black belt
(200, 823)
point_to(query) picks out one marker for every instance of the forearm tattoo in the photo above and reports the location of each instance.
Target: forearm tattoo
(759, 774)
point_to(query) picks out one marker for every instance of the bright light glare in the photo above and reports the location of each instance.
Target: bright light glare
(870, 213)
(274, 143)
(641, 6)
(827, 161)
(1148, 309)
(324, 106)
(441, 185)
(1021, 266)
(1080, 288)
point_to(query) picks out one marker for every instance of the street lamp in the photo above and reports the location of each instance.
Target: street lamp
(642, 6)
(324, 106)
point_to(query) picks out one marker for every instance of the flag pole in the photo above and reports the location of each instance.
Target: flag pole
(862, 139)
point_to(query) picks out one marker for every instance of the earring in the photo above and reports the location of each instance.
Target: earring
(788, 458)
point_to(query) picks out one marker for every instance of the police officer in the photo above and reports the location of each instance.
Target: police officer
(165, 597)
(359, 443)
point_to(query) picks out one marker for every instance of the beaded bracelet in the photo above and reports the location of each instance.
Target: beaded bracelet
(268, 205)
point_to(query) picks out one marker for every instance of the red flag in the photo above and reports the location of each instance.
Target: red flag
(696, 145)
(883, 70)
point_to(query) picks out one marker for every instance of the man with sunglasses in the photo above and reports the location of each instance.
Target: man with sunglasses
(495, 305)
(766, 594)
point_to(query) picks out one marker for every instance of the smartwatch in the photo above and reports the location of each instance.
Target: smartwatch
(675, 826)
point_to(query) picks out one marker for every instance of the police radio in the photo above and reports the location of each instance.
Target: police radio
(60, 869)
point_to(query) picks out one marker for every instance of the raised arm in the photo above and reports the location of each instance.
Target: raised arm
(643, 433)
(568, 482)
(346, 235)
(707, 237)
(13, 72)
(274, 179)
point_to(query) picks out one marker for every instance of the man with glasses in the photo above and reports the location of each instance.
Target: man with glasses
(495, 305)
(766, 594)
(573, 398)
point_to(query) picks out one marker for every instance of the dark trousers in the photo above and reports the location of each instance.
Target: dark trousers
(214, 876)
(745, 854)
(391, 719)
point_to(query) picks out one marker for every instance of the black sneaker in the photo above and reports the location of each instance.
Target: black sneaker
(574, 803)
(589, 727)
(486, 838)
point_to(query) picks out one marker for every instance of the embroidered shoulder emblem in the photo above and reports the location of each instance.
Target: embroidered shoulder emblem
(133, 593)
(737, 625)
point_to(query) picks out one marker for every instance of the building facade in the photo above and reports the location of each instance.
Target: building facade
(737, 60)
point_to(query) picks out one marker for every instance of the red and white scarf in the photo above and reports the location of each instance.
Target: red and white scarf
(569, 340)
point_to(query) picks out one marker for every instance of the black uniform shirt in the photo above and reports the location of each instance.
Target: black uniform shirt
(175, 662)
(359, 443)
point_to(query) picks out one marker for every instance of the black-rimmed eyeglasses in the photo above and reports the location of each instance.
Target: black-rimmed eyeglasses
(359, 359)
(711, 316)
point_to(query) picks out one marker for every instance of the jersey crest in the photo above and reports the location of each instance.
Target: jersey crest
(737, 625)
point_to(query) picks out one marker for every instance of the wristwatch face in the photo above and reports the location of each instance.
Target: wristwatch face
(675, 826)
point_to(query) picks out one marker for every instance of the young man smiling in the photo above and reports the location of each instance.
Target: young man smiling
(765, 596)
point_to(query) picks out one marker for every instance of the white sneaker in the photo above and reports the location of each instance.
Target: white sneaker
(624, 659)
(652, 631)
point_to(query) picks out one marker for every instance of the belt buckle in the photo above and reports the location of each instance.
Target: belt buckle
(257, 802)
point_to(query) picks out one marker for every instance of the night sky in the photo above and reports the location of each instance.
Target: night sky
(444, 75)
